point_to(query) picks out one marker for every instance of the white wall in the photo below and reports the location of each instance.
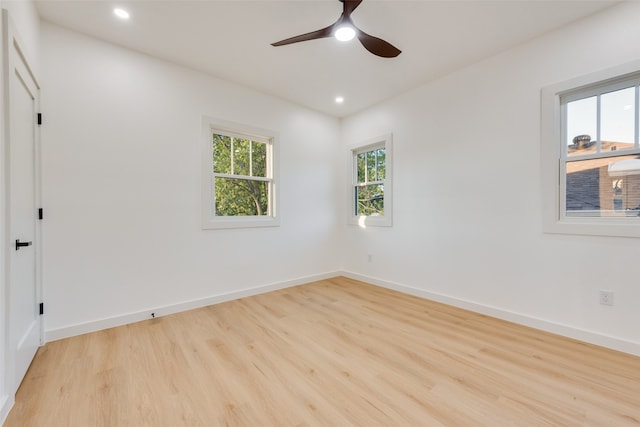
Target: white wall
(467, 214)
(122, 188)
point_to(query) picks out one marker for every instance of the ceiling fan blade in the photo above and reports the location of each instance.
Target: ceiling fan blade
(377, 46)
(350, 6)
(319, 34)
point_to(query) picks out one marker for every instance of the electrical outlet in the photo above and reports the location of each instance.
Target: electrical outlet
(606, 297)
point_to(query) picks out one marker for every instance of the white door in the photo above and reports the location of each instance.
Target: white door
(24, 319)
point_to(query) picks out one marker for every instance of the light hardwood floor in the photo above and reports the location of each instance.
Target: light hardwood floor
(332, 353)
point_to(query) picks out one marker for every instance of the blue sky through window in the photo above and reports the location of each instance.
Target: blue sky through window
(617, 117)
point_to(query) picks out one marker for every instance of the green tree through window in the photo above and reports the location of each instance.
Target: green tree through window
(241, 183)
(369, 189)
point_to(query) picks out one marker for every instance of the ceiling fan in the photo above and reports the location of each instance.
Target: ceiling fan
(344, 29)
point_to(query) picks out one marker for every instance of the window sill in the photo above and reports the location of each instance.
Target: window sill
(240, 222)
(612, 227)
(371, 221)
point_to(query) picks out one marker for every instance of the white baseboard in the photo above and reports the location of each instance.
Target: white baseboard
(98, 325)
(545, 325)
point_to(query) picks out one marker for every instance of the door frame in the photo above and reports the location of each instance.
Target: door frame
(10, 40)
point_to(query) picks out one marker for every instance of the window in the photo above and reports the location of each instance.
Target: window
(239, 180)
(591, 154)
(371, 188)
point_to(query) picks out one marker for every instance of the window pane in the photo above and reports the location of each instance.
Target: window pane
(582, 118)
(369, 199)
(361, 167)
(617, 118)
(381, 153)
(259, 159)
(241, 197)
(603, 187)
(221, 154)
(241, 156)
(371, 166)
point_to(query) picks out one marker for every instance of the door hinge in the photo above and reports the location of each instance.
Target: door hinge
(39, 118)
(41, 308)
(40, 213)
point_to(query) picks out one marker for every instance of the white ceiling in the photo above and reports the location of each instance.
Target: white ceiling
(231, 40)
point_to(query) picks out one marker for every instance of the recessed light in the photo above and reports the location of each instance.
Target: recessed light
(121, 13)
(339, 99)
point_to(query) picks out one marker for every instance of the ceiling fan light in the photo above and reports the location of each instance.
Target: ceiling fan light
(345, 33)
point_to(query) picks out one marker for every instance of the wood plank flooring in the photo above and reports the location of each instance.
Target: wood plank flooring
(331, 353)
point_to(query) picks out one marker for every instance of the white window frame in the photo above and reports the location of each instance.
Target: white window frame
(386, 220)
(554, 153)
(209, 219)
